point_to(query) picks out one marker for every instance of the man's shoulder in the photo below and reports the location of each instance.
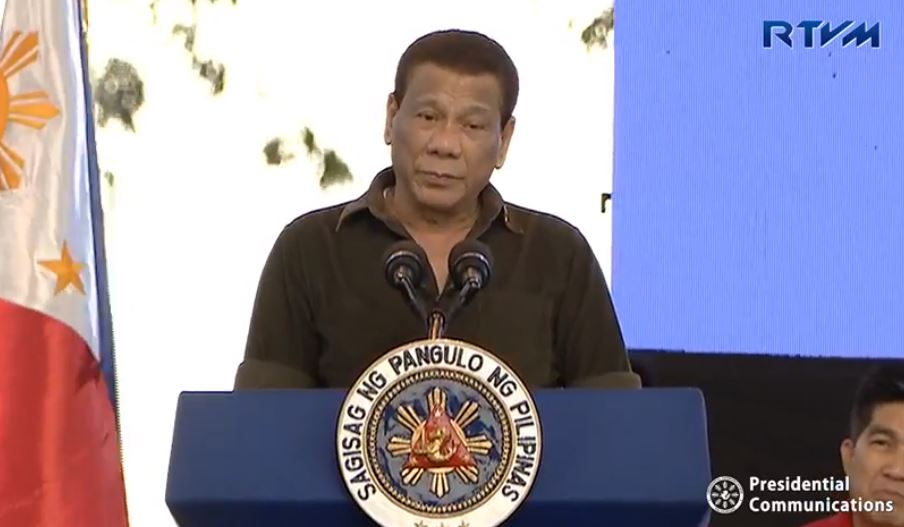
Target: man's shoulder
(324, 219)
(838, 520)
(546, 227)
(316, 228)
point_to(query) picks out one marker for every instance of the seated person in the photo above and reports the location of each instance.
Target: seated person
(873, 455)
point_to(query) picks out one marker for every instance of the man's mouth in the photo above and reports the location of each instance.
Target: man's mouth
(437, 175)
(888, 494)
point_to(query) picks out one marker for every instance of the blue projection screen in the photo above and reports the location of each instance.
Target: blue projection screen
(759, 191)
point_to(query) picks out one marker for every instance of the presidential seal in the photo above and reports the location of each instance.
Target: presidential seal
(439, 433)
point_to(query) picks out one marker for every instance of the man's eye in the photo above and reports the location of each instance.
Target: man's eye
(426, 116)
(880, 442)
(476, 126)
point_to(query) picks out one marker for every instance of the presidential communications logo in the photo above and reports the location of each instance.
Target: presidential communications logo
(726, 495)
(439, 433)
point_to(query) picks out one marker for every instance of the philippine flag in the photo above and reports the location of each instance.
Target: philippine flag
(60, 462)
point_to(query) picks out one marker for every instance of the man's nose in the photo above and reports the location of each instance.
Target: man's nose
(445, 140)
(894, 468)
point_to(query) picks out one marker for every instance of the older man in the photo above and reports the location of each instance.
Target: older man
(323, 310)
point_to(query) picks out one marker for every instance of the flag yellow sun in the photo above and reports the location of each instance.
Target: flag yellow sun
(32, 109)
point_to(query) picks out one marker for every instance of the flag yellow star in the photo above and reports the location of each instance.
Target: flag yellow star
(66, 270)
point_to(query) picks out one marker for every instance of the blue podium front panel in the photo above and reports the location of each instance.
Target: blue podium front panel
(615, 458)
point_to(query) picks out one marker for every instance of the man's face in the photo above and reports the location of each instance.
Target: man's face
(875, 463)
(447, 136)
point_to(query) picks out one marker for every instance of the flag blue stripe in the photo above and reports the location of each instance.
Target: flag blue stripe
(105, 319)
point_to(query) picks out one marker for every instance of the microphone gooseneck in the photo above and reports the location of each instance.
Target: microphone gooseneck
(405, 264)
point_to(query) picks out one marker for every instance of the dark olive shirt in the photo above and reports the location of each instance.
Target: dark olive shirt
(324, 311)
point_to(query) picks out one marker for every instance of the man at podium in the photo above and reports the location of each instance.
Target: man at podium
(324, 308)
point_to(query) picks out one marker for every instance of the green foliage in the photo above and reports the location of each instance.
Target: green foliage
(188, 32)
(209, 70)
(596, 34)
(118, 93)
(309, 142)
(333, 170)
(274, 153)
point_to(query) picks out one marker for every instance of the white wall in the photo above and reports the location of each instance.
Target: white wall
(191, 223)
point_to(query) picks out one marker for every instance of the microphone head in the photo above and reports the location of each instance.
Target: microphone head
(471, 260)
(404, 258)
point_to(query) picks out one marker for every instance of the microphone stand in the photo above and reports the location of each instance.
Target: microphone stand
(436, 326)
(411, 295)
(446, 307)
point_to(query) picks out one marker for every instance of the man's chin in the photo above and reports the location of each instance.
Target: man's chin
(887, 519)
(443, 201)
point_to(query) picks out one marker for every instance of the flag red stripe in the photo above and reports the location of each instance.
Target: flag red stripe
(59, 456)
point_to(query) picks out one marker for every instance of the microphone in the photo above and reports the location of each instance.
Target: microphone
(471, 265)
(405, 264)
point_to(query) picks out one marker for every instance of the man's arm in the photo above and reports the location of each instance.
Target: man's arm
(282, 346)
(588, 339)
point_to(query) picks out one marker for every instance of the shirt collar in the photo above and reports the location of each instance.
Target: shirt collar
(492, 206)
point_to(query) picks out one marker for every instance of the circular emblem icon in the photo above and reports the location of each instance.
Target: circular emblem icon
(725, 495)
(439, 432)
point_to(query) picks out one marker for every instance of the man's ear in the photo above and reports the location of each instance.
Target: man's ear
(847, 455)
(392, 108)
(507, 132)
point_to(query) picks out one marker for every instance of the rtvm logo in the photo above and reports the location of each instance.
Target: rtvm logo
(782, 30)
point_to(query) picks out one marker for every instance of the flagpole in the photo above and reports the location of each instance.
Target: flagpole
(105, 319)
(106, 347)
